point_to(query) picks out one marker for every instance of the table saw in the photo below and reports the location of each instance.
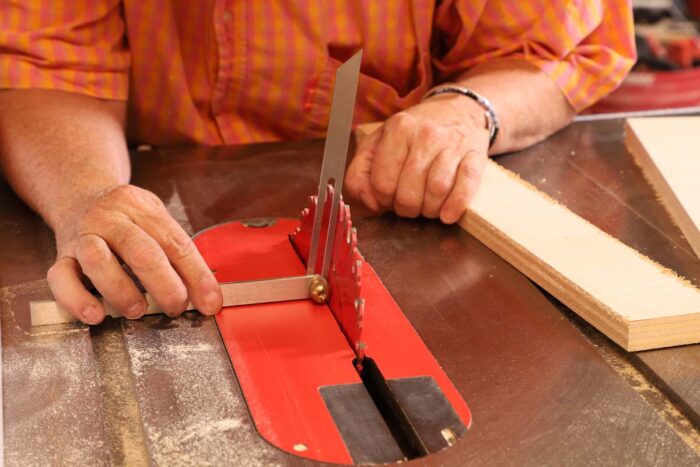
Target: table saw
(542, 386)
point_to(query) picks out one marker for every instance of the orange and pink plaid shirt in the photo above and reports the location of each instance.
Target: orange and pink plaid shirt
(233, 71)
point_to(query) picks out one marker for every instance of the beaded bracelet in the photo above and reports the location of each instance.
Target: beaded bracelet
(492, 123)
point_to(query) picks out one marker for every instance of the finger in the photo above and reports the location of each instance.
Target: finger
(66, 285)
(439, 183)
(202, 287)
(410, 190)
(358, 181)
(389, 157)
(467, 182)
(107, 275)
(149, 263)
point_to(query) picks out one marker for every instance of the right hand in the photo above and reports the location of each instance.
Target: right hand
(128, 223)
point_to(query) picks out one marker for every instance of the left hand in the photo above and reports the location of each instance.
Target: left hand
(426, 160)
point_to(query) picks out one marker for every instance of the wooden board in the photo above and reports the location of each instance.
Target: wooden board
(668, 151)
(634, 301)
(45, 312)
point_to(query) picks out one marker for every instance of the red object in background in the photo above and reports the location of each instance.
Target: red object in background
(694, 8)
(684, 52)
(284, 353)
(644, 90)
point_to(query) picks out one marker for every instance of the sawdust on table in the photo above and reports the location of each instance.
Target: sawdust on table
(620, 361)
(51, 396)
(123, 427)
(199, 416)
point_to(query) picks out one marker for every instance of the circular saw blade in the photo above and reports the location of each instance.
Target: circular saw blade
(344, 277)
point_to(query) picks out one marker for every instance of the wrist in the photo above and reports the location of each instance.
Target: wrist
(459, 109)
(64, 216)
(470, 100)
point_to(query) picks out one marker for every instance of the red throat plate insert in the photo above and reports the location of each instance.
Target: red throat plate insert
(295, 360)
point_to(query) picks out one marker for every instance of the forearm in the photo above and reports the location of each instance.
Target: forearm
(529, 105)
(60, 149)
(66, 155)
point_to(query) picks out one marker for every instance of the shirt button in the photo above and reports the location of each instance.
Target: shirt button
(227, 16)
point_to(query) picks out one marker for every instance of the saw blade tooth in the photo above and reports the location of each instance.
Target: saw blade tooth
(359, 310)
(352, 235)
(352, 259)
(301, 237)
(342, 215)
(361, 348)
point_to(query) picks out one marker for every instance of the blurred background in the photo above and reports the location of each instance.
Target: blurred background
(667, 73)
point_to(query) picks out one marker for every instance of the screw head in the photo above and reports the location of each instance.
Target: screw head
(318, 290)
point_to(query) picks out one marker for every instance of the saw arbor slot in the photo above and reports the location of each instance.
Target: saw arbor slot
(416, 411)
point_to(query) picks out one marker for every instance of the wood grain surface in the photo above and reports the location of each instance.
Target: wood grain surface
(637, 303)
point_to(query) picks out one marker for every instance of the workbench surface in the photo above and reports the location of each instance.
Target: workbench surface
(544, 387)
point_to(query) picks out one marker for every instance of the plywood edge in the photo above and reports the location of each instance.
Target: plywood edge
(664, 191)
(664, 332)
(584, 302)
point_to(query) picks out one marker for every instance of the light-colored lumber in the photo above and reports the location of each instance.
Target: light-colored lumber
(46, 312)
(234, 293)
(634, 301)
(668, 151)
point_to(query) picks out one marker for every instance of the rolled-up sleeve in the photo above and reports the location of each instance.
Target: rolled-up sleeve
(69, 45)
(585, 46)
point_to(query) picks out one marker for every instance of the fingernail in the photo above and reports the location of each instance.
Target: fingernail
(136, 310)
(369, 202)
(212, 302)
(92, 315)
(448, 219)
